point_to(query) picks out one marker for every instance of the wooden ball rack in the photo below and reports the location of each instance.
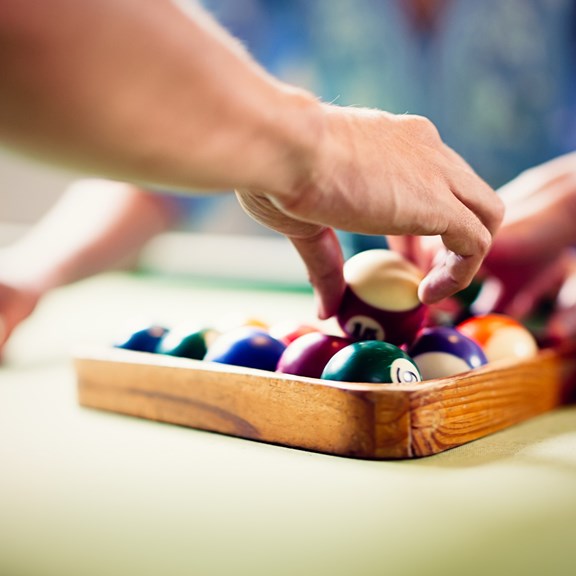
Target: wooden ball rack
(370, 421)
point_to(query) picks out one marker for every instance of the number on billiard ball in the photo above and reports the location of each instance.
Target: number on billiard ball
(372, 361)
(381, 298)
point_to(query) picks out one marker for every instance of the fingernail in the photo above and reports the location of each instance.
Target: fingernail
(320, 308)
(436, 286)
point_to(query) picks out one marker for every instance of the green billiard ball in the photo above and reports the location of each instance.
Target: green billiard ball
(187, 343)
(372, 361)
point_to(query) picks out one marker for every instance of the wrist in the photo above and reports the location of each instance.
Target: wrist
(287, 154)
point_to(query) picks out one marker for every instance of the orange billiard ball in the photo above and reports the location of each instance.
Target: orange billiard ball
(500, 336)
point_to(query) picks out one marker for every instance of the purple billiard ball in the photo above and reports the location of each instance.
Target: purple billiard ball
(143, 339)
(381, 298)
(444, 351)
(246, 346)
(308, 354)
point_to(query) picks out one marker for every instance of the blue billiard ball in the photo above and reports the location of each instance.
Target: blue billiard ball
(444, 351)
(145, 339)
(372, 361)
(246, 346)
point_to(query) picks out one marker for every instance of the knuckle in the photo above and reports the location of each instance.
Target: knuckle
(423, 127)
(483, 241)
(498, 212)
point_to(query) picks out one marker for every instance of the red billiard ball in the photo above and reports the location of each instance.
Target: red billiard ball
(381, 298)
(290, 330)
(246, 346)
(444, 351)
(372, 361)
(500, 336)
(309, 354)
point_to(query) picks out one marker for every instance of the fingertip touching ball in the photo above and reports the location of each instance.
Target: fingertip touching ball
(309, 354)
(500, 336)
(246, 346)
(443, 351)
(381, 298)
(372, 361)
(142, 339)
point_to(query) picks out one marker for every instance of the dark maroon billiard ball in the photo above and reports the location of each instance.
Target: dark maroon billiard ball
(309, 354)
(372, 361)
(444, 351)
(246, 346)
(381, 298)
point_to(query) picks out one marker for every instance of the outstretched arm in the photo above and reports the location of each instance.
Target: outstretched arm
(97, 225)
(533, 256)
(143, 91)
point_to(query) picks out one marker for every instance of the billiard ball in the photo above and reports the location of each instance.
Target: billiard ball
(500, 336)
(143, 339)
(381, 298)
(289, 330)
(309, 354)
(246, 346)
(444, 351)
(231, 322)
(372, 361)
(187, 342)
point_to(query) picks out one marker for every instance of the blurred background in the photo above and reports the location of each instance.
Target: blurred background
(27, 190)
(219, 242)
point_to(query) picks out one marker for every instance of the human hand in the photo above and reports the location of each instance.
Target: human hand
(533, 256)
(17, 302)
(373, 172)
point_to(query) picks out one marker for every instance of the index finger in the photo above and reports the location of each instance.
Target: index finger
(467, 242)
(322, 256)
(475, 193)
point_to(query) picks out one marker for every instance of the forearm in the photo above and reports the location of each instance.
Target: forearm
(135, 90)
(138, 91)
(96, 226)
(541, 210)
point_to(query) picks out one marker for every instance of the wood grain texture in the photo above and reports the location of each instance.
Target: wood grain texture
(356, 420)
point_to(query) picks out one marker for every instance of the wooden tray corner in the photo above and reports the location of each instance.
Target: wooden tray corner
(372, 421)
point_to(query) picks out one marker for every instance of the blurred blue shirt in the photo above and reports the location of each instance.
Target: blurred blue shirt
(497, 77)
